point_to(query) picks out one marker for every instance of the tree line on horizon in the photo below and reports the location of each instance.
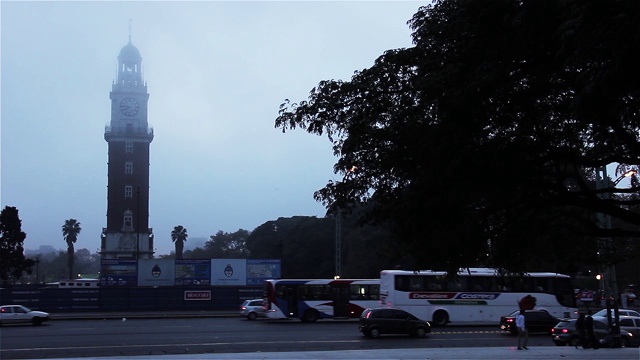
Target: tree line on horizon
(306, 245)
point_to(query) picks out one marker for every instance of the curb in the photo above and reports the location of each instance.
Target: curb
(118, 316)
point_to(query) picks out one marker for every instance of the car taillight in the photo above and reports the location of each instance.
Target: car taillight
(243, 308)
(565, 330)
(509, 320)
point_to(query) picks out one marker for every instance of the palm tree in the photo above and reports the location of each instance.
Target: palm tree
(179, 236)
(70, 231)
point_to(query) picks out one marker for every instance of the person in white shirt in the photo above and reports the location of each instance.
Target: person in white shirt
(523, 334)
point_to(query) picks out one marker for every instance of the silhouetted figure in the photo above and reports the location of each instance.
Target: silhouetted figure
(581, 330)
(591, 338)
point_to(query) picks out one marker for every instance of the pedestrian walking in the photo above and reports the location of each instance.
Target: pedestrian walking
(523, 334)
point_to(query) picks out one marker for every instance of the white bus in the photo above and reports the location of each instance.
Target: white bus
(476, 295)
(313, 299)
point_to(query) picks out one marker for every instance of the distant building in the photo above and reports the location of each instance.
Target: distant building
(128, 235)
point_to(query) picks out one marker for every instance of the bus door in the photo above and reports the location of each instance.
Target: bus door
(291, 296)
(341, 294)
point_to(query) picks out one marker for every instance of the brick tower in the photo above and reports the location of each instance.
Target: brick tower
(128, 235)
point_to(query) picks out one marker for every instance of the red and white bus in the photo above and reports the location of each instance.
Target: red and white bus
(313, 299)
(475, 295)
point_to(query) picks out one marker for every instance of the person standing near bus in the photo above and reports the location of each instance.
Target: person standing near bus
(523, 334)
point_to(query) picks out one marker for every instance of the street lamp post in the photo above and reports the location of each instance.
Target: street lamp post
(138, 227)
(602, 182)
(610, 283)
(604, 220)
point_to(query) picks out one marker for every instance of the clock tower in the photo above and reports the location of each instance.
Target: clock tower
(128, 235)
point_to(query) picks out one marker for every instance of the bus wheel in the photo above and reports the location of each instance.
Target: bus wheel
(310, 316)
(440, 318)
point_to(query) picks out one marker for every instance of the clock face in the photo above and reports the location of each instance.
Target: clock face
(129, 106)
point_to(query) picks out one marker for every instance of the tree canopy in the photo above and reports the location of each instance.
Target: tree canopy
(481, 142)
(70, 231)
(13, 263)
(179, 236)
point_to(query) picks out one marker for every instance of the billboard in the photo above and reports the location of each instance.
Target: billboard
(229, 272)
(156, 272)
(193, 272)
(118, 272)
(259, 270)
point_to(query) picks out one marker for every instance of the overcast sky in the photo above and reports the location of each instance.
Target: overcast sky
(216, 72)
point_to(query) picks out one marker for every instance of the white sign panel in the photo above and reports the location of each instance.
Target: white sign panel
(229, 272)
(156, 272)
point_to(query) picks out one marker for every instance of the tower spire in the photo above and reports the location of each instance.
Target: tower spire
(130, 30)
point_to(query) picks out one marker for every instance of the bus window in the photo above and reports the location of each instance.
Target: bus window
(402, 283)
(416, 283)
(459, 284)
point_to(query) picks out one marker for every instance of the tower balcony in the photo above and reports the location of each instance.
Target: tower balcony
(129, 132)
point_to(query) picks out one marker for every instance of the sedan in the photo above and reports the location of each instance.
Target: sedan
(565, 332)
(627, 323)
(374, 322)
(536, 321)
(15, 314)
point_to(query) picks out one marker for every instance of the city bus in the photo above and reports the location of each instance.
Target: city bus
(313, 299)
(475, 295)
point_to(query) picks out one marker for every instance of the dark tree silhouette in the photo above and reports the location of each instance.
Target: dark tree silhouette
(179, 236)
(70, 231)
(480, 143)
(13, 263)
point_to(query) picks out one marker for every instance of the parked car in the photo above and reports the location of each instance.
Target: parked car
(252, 309)
(627, 323)
(621, 312)
(631, 324)
(15, 314)
(565, 332)
(375, 322)
(537, 321)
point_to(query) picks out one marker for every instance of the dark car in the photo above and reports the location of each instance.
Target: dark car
(565, 332)
(536, 321)
(374, 322)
